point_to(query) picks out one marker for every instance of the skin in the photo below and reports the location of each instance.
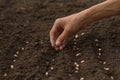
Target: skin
(68, 26)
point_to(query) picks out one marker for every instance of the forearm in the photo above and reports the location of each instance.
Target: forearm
(103, 10)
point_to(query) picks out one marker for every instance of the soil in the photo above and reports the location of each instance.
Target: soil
(26, 53)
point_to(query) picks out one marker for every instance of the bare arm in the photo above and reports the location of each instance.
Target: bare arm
(66, 27)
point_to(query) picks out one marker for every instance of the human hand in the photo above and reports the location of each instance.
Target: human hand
(64, 28)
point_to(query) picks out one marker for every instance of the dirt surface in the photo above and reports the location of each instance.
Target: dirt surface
(26, 53)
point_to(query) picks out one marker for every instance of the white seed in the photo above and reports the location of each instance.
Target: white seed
(76, 71)
(75, 63)
(97, 44)
(76, 36)
(41, 42)
(78, 54)
(78, 48)
(99, 54)
(75, 42)
(82, 78)
(12, 66)
(15, 55)
(26, 42)
(82, 61)
(53, 59)
(99, 49)
(104, 62)
(5, 74)
(23, 48)
(77, 68)
(107, 69)
(46, 73)
(17, 52)
(14, 60)
(82, 34)
(96, 40)
(51, 68)
(100, 61)
(112, 77)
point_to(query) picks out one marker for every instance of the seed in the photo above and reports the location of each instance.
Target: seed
(14, 60)
(104, 62)
(78, 54)
(99, 49)
(15, 55)
(26, 42)
(53, 59)
(97, 44)
(107, 69)
(23, 48)
(5, 74)
(100, 61)
(46, 73)
(82, 61)
(76, 36)
(82, 78)
(112, 77)
(77, 68)
(99, 54)
(82, 34)
(17, 52)
(76, 71)
(96, 40)
(75, 63)
(75, 42)
(51, 68)
(12, 66)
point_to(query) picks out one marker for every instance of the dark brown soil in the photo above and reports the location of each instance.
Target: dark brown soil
(26, 53)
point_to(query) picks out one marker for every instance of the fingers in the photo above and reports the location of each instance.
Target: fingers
(54, 33)
(58, 35)
(60, 42)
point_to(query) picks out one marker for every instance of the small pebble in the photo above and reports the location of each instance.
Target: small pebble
(82, 61)
(5, 74)
(76, 36)
(82, 34)
(82, 78)
(107, 69)
(12, 66)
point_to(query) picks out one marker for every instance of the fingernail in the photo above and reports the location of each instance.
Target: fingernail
(57, 43)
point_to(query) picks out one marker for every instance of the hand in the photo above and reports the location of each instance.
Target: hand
(64, 28)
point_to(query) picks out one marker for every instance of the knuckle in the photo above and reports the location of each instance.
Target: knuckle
(58, 20)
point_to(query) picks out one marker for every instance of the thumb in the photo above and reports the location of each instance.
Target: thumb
(62, 38)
